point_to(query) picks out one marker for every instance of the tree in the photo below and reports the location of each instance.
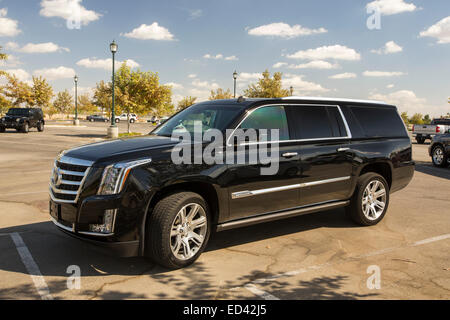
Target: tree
(18, 92)
(426, 119)
(405, 118)
(103, 97)
(220, 94)
(85, 104)
(186, 102)
(416, 119)
(42, 92)
(5, 104)
(2, 57)
(267, 87)
(63, 102)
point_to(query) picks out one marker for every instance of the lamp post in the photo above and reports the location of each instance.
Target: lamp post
(76, 122)
(235, 75)
(291, 89)
(113, 130)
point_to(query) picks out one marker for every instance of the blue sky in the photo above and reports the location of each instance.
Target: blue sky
(323, 48)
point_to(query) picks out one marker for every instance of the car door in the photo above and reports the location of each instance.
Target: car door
(252, 192)
(325, 156)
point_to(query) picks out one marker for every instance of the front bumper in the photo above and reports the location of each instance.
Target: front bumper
(11, 125)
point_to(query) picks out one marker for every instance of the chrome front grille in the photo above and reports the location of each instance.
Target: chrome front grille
(67, 179)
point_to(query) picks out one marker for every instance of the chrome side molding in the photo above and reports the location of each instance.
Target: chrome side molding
(281, 215)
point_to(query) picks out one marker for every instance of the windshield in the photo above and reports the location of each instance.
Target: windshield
(210, 116)
(18, 112)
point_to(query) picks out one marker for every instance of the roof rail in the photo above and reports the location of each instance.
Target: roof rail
(333, 99)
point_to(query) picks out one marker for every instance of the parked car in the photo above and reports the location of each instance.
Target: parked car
(422, 132)
(439, 150)
(129, 196)
(154, 120)
(164, 119)
(124, 117)
(97, 118)
(22, 119)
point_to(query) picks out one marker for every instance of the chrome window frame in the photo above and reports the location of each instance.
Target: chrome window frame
(347, 128)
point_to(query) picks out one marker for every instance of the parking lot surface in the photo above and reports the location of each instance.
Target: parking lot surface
(317, 256)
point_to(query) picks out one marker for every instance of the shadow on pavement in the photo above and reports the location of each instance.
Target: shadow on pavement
(428, 168)
(82, 135)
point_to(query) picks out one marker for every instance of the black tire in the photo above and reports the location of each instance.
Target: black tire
(91, 120)
(25, 128)
(2, 129)
(40, 126)
(420, 140)
(159, 225)
(434, 158)
(355, 209)
(132, 121)
(117, 120)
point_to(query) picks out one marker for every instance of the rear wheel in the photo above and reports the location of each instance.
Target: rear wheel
(117, 120)
(25, 127)
(178, 230)
(40, 126)
(420, 140)
(132, 121)
(2, 129)
(370, 201)
(440, 158)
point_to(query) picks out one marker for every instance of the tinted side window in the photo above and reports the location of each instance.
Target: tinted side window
(312, 122)
(379, 121)
(268, 118)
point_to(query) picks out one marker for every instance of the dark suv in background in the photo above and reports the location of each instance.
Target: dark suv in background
(128, 194)
(22, 119)
(439, 150)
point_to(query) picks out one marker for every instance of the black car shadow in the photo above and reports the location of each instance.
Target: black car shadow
(428, 168)
(82, 135)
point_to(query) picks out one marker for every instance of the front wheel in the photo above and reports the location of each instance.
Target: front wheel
(2, 129)
(440, 158)
(370, 201)
(40, 126)
(178, 230)
(25, 127)
(420, 140)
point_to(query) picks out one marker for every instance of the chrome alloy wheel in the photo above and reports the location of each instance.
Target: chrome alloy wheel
(438, 156)
(188, 231)
(374, 200)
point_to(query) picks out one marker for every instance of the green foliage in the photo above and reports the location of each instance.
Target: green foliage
(186, 102)
(267, 87)
(18, 92)
(417, 118)
(85, 104)
(220, 94)
(63, 102)
(405, 117)
(103, 97)
(42, 92)
(426, 119)
(5, 104)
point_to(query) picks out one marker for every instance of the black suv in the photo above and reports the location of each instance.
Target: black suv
(22, 119)
(129, 194)
(439, 150)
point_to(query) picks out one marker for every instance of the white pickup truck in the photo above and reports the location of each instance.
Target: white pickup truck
(423, 132)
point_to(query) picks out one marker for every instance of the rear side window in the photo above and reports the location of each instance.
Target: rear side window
(268, 118)
(379, 121)
(316, 122)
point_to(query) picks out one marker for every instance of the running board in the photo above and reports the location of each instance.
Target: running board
(280, 215)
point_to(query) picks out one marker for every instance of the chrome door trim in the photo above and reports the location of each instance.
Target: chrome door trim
(248, 193)
(347, 128)
(282, 215)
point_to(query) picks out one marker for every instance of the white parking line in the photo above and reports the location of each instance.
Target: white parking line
(267, 296)
(32, 267)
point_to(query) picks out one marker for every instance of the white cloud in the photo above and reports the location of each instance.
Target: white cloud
(21, 74)
(316, 64)
(201, 94)
(195, 13)
(11, 62)
(8, 27)
(440, 31)
(150, 32)
(390, 86)
(383, 73)
(391, 7)
(388, 48)
(346, 75)
(407, 101)
(283, 30)
(192, 76)
(247, 76)
(220, 56)
(46, 47)
(106, 64)
(279, 65)
(174, 85)
(301, 86)
(55, 73)
(70, 10)
(336, 52)
(205, 84)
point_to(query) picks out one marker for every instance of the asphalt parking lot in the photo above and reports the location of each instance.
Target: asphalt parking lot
(317, 256)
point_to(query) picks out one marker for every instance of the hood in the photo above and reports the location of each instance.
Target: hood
(120, 149)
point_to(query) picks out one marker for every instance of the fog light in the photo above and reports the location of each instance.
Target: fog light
(108, 223)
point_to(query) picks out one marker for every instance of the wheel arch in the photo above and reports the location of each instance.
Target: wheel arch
(383, 168)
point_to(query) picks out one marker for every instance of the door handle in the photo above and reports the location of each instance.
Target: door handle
(289, 154)
(343, 149)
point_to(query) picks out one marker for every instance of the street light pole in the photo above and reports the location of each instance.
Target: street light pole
(76, 122)
(113, 131)
(291, 89)
(235, 75)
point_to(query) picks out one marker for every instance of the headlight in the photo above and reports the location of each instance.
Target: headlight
(3, 119)
(17, 120)
(115, 176)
